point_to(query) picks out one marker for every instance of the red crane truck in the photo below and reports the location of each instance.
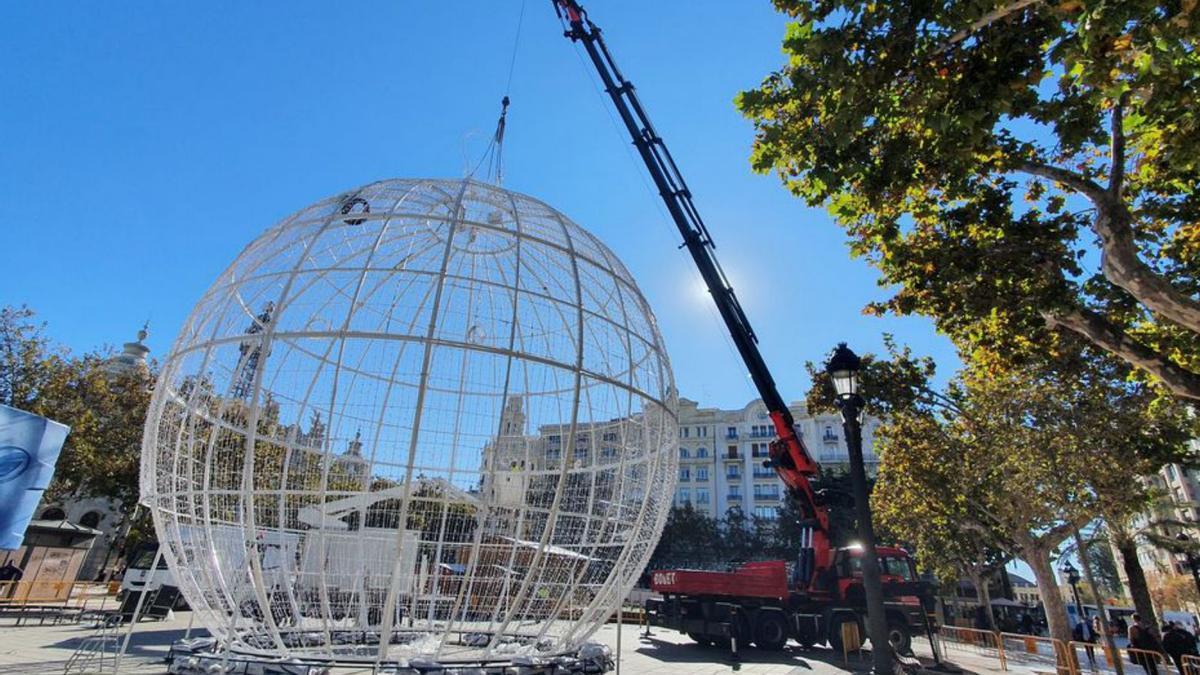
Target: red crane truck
(766, 603)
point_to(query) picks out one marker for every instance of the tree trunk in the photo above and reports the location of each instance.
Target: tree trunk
(1056, 611)
(1139, 590)
(984, 597)
(1107, 638)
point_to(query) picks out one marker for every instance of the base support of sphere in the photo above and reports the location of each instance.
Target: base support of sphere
(205, 656)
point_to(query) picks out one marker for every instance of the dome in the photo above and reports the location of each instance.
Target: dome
(132, 359)
(424, 419)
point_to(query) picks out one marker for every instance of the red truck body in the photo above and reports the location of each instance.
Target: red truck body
(757, 580)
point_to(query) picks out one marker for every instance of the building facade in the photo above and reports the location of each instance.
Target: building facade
(1180, 489)
(721, 455)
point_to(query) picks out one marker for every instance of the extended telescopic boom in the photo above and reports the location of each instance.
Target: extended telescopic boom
(788, 456)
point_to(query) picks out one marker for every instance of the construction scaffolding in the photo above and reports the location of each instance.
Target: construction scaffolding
(423, 421)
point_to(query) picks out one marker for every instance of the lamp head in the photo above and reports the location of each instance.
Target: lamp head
(843, 369)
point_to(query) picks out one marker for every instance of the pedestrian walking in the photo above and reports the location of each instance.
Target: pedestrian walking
(1144, 645)
(1177, 642)
(1084, 634)
(1027, 624)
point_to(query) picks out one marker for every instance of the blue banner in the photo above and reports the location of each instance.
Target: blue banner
(29, 447)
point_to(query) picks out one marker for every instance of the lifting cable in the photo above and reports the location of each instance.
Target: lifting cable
(493, 155)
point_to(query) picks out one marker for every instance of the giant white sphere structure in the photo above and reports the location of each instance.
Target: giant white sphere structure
(422, 419)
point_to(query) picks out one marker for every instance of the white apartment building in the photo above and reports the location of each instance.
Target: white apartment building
(1180, 486)
(721, 454)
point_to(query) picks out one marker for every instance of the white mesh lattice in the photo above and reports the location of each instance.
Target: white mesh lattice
(425, 418)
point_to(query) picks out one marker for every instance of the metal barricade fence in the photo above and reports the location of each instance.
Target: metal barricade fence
(971, 641)
(1035, 650)
(1092, 657)
(1098, 658)
(1070, 658)
(1150, 661)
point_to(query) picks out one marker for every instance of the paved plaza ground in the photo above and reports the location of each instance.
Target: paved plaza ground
(34, 650)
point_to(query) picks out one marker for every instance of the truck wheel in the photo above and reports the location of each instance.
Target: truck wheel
(770, 631)
(700, 639)
(900, 637)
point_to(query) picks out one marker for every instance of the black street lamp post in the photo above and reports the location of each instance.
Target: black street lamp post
(1190, 559)
(843, 370)
(1068, 570)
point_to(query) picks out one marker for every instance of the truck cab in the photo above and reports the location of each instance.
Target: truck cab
(895, 566)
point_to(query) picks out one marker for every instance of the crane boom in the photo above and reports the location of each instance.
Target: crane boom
(787, 454)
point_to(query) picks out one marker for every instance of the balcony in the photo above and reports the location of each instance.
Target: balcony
(761, 434)
(734, 498)
(731, 435)
(733, 454)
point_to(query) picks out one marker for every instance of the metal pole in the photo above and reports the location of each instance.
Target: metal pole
(881, 649)
(620, 623)
(137, 610)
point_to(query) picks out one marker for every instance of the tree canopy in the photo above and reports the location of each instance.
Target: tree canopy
(1018, 461)
(105, 410)
(1017, 170)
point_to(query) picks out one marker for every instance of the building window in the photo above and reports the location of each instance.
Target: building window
(553, 453)
(684, 432)
(685, 474)
(730, 432)
(763, 472)
(735, 494)
(766, 512)
(608, 453)
(683, 453)
(554, 439)
(702, 432)
(54, 513)
(702, 473)
(702, 497)
(610, 436)
(829, 435)
(682, 497)
(733, 471)
(766, 491)
(758, 449)
(91, 519)
(701, 453)
(733, 451)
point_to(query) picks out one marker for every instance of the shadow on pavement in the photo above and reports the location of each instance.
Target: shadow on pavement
(674, 652)
(144, 643)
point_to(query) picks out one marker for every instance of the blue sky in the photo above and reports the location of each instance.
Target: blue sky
(142, 146)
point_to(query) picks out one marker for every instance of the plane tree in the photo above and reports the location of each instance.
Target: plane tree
(1021, 171)
(1012, 460)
